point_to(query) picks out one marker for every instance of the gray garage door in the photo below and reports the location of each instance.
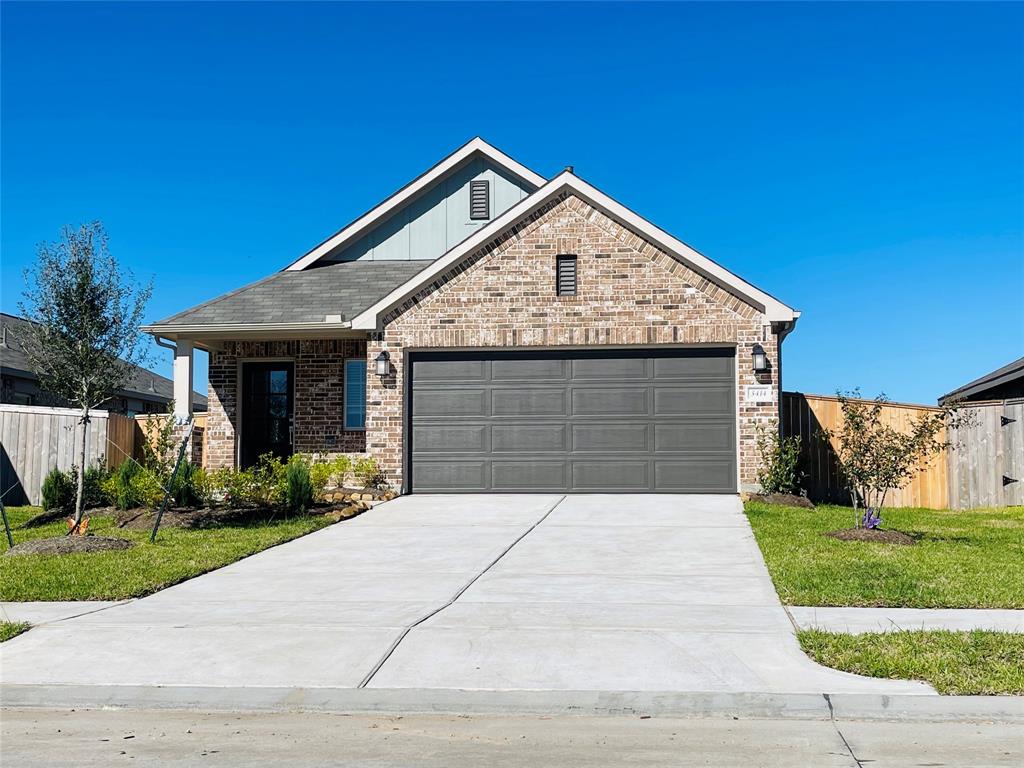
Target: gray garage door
(584, 421)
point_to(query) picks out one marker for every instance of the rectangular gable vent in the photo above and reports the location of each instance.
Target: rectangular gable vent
(479, 200)
(565, 275)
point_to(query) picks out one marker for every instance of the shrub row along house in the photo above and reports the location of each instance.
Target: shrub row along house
(487, 329)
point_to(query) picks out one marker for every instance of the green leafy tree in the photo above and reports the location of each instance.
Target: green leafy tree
(86, 311)
(876, 458)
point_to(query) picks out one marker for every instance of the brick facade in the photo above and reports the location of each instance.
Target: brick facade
(629, 293)
(319, 395)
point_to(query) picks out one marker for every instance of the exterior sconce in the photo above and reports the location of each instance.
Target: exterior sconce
(383, 363)
(760, 359)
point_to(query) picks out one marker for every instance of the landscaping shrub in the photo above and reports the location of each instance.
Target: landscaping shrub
(299, 488)
(183, 487)
(369, 473)
(780, 459)
(131, 485)
(95, 477)
(59, 490)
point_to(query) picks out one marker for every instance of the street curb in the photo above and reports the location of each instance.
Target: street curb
(793, 706)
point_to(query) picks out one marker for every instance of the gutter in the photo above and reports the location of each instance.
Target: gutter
(158, 330)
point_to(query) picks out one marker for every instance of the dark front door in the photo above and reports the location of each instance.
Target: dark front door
(267, 398)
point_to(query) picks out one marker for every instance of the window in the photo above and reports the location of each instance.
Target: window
(355, 394)
(479, 200)
(565, 275)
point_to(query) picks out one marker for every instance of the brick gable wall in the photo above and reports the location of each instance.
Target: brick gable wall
(630, 293)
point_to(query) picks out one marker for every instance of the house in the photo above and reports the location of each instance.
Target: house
(146, 392)
(488, 329)
(1003, 383)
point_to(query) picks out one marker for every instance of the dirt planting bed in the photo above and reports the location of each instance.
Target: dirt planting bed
(68, 545)
(868, 534)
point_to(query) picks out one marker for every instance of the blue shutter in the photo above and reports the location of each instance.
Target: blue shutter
(355, 394)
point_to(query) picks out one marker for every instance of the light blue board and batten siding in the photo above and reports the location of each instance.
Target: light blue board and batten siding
(438, 219)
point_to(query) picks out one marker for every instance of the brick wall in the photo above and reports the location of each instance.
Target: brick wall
(319, 395)
(630, 293)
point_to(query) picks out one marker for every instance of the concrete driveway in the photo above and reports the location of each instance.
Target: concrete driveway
(525, 592)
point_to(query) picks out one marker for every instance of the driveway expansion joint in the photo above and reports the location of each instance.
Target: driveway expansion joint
(398, 641)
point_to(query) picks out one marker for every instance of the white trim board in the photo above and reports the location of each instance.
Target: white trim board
(456, 159)
(773, 309)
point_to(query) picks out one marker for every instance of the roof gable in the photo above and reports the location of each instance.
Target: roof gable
(384, 231)
(773, 309)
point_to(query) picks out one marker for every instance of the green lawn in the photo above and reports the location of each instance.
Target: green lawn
(9, 629)
(962, 663)
(178, 554)
(963, 559)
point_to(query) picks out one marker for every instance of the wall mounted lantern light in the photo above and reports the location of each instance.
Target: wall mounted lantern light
(760, 359)
(383, 363)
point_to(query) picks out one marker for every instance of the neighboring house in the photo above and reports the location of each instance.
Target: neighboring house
(146, 391)
(487, 329)
(1004, 383)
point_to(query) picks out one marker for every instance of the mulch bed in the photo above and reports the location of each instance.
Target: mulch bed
(142, 519)
(67, 545)
(783, 499)
(869, 534)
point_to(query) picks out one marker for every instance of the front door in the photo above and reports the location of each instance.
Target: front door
(267, 399)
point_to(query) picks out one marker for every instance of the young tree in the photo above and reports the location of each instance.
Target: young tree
(86, 313)
(875, 458)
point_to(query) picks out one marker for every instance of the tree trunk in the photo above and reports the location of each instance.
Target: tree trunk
(80, 495)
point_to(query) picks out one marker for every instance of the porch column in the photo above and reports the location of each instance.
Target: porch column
(183, 380)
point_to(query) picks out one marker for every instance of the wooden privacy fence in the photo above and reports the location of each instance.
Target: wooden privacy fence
(986, 459)
(805, 415)
(35, 440)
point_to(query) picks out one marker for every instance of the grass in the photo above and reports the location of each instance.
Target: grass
(962, 559)
(9, 629)
(177, 555)
(962, 663)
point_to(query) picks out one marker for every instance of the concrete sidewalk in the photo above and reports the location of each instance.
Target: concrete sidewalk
(507, 593)
(861, 620)
(38, 613)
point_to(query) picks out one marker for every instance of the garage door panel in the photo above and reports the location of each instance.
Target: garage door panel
(528, 402)
(606, 368)
(451, 370)
(453, 401)
(614, 476)
(690, 436)
(449, 438)
(695, 475)
(612, 438)
(624, 401)
(528, 437)
(453, 475)
(708, 366)
(633, 420)
(516, 369)
(528, 475)
(694, 400)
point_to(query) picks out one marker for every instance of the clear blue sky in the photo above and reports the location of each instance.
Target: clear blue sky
(864, 163)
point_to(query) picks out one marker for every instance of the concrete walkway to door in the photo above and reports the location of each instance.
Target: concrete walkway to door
(529, 592)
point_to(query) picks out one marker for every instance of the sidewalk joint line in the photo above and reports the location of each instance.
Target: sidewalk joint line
(394, 646)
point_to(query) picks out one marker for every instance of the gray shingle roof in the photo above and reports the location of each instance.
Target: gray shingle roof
(307, 296)
(143, 383)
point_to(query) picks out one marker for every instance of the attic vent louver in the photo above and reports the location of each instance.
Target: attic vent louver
(565, 275)
(479, 200)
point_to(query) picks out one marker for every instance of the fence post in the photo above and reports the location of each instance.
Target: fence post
(7, 525)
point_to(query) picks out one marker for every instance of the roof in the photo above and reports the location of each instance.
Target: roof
(977, 389)
(420, 184)
(325, 295)
(565, 182)
(143, 383)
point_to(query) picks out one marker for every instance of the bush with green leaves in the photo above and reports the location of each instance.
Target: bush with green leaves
(779, 471)
(299, 488)
(59, 491)
(369, 473)
(182, 485)
(92, 490)
(132, 485)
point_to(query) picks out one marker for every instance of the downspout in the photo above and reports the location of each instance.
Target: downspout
(782, 330)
